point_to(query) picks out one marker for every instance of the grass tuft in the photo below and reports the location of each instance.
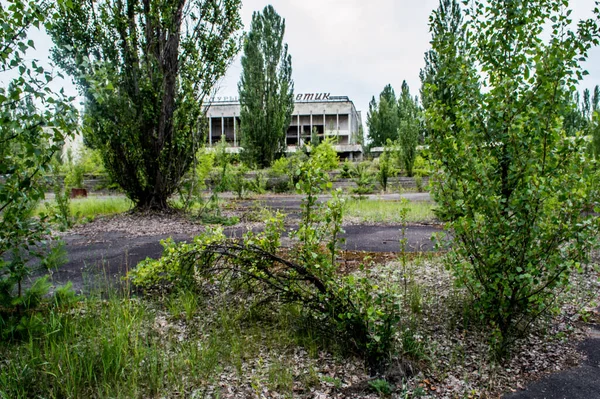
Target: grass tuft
(380, 211)
(89, 208)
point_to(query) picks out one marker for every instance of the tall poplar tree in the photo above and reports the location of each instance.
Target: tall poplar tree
(266, 89)
(409, 126)
(144, 68)
(382, 118)
(372, 120)
(447, 30)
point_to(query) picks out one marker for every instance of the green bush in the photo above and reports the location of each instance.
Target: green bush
(60, 211)
(220, 173)
(512, 184)
(194, 182)
(325, 155)
(74, 177)
(280, 167)
(259, 183)
(351, 307)
(87, 162)
(169, 269)
(238, 182)
(346, 170)
(288, 167)
(363, 178)
(205, 163)
(386, 168)
(19, 305)
(419, 183)
(91, 162)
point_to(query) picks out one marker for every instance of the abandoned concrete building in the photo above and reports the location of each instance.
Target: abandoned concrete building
(326, 115)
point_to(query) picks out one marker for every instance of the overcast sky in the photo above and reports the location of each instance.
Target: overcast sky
(354, 47)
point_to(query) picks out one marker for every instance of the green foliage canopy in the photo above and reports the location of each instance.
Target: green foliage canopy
(145, 68)
(382, 118)
(325, 155)
(446, 25)
(511, 183)
(34, 122)
(266, 89)
(409, 126)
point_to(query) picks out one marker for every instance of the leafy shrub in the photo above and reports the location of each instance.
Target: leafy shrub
(60, 211)
(238, 181)
(194, 181)
(352, 307)
(259, 183)
(394, 150)
(205, 163)
(74, 171)
(363, 178)
(19, 310)
(280, 168)
(512, 184)
(90, 161)
(326, 156)
(74, 177)
(288, 167)
(219, 175)
(220, 179)
(385, 169)
(169, 269)
(419, 183)
(421, 167)
(346, 171)
(279, 186)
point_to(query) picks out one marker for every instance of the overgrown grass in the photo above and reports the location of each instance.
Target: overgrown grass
(379, 211)
(134, 348)
(87, 209)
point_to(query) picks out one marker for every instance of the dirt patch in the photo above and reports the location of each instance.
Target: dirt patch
(137, 225)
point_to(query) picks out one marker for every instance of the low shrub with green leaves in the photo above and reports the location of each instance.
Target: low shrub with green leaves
(346, 169)
(422, 167)
(238, 182)
(287, 167)
(327, 155)
(258, 183)
(19, 302)
(364, 178)
(59, 211)
(194, 181)
(386, 169)
(351, 307)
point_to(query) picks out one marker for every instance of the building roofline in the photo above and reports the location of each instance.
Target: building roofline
(331, 99)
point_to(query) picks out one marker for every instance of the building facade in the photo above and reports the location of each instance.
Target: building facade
(326, 115)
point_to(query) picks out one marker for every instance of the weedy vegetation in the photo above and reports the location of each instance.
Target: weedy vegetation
(384, 211)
